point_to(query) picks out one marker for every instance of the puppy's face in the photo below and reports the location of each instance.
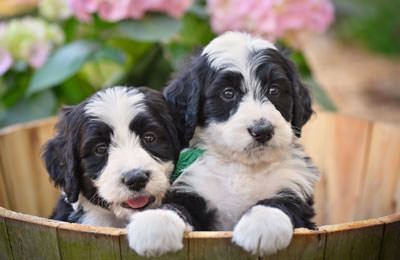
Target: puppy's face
(117, 150)
(250, 103)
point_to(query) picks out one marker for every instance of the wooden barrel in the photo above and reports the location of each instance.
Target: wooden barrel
(360, 187)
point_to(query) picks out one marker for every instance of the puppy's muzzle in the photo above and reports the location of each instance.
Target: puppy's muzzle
(262, 131)
(136, 179)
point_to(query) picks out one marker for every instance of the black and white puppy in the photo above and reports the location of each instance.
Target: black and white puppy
(247, 104)
(113, 155)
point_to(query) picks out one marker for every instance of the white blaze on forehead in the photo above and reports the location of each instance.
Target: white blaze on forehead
(232, 50)
(116, 106)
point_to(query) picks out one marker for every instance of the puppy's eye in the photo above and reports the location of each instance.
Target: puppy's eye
(101, 149)
(228, 93)
(274, 91)
(149, 138)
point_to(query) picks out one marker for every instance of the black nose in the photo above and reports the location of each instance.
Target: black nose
(262, 131)
(136, 179)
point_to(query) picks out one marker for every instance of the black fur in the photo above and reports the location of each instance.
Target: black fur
(194, 97)
(72, 162)
(300, 212)
(191, 207)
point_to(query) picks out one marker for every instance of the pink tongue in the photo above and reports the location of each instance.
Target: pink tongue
(138, 202)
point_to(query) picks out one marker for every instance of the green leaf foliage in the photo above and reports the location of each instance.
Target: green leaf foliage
(65, 62)
(151, 28)
(30, 108)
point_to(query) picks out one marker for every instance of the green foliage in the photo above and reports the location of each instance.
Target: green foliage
(155, 27)
(374, 23)
(65, 62)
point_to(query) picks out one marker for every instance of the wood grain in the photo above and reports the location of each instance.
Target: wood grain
(382, 173)
(77, 241)
(32, 237)
(5, 249)
(26, 181)
(391, 238)
(359, 240)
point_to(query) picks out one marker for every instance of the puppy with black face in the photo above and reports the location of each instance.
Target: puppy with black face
(112, 156)
(245, 105)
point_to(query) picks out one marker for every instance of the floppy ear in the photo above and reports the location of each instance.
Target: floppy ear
(61, 156)
(302, 109)
(302, 102)
(183, 96)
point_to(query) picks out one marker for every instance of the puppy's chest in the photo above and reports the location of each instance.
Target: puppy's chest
(229, 189)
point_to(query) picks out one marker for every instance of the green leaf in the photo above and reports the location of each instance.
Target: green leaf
(320, 95)
(65, 62)
(30, 108)
(151, 28)
(109, 54)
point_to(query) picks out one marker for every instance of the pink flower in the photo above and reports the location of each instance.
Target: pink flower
(115, 10)
(5, 61)
(83, 9)
(271, 19)
(38, 54)
(111, 10)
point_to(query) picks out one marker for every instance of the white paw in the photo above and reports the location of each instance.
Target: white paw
(263, 230)
(155, 232)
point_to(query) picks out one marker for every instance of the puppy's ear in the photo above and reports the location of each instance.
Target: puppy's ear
(302, 103)
(302, 109)
(183, 96)
(61, 157)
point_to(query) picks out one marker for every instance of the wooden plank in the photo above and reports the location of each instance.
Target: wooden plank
(357, 240)
(128, 254)
(313, 139)
(32, 237)
(215, 245)
(5, 249)
(3, 191)
(27, 184)
(391, 238)
(382, 173)
(343, 143)
(305, 244)
(77, 241)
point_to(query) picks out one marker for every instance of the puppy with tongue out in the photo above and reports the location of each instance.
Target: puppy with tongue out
(112, 156)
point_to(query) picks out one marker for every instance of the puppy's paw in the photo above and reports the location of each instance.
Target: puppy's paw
(263, 230)
(155, 232)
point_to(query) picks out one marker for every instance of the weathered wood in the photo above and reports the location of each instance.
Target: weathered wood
(128, 254)
(382, 173)
(22, 172)
(306, 244)
(77, 241)
(391, 238)
(358, 240)
(343, 143)
(5, 249)
(215, 245)
(31, 237)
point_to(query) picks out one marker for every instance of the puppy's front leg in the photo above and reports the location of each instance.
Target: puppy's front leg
(268, 226)
(157, 231)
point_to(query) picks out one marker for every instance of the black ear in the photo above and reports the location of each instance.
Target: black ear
(302, 102)
(183, 96)
(61, 155)
(302, 107)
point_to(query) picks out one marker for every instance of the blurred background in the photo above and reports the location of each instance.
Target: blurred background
(55, 52)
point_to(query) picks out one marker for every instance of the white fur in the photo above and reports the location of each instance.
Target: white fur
(155, 232)
(263, 230)
(231, 49)
(117, 107)
(231, 188)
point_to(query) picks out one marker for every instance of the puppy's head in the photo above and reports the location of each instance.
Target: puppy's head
(245, 96)
(116, 149)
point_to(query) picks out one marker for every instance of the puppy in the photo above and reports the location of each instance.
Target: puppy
(113, 155)
(248, 105)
